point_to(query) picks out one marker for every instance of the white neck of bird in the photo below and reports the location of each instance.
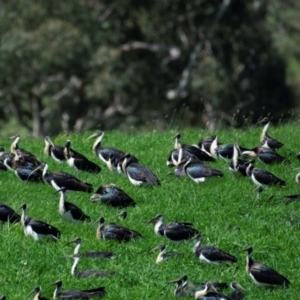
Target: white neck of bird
(6, 164)
(158, 224)
(98, 142)
(14, 145)
(77, 247)
(45, 170)
(177, 143)
(57, 292)
(235, 156)
(264, 132)
(180, 151)
(213, 147)
(74, 266)
(24, 216)
(196, 246)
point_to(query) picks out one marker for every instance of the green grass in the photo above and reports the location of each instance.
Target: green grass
(225, 210)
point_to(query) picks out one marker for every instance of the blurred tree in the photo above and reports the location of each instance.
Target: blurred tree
(76, 65)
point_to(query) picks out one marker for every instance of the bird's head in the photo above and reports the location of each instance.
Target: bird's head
(160, 247)
(36, 290)
(156, 219)
(94, 135)
(122, 214)
(77, 240)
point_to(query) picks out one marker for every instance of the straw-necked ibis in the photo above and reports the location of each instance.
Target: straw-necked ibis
(38, 230)
(69, 211)
(116, 232)
(211, 254)
(59, 179)
(174, 231)
(263, 275)
(111, 195)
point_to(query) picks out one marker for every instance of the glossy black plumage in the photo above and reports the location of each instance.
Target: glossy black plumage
(137, 173)
(105, 153)
(188, 151)
(262, 178)
(69, 211)
(91, 253)
(198, 172)
(56, 152)
(77, 294)
(78, 161)
(86, 273)
(59, 179)
(26, 155)
(263, 275)
(38, 230)
(24, 170)
(7, 214)
(174, 231)
(224, 151)
(265, 139)
(116, 232)
(110, 194)
(211, 254)
(266, 155)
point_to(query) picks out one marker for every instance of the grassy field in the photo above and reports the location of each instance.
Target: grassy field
(224, 209)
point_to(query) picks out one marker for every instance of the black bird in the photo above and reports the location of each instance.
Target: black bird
(238, 165)
(174, 231)
(237, 293)
(38, 230)
(211, 254)
(263, 275)
(103, 152)
(205, 143)
(56, 152)
(266, 140)
(2, 297)
(76, 294)
(89, 254)
(61, 179)
(69, 211)
(163, 254)
(37, 290)
(23, 169)
(187, 151)
(7, 214)
(224, 151)
(262, 178)
(86, 273)
(110, 194)
(198, 172)
(116, 232)
(137, 173)
(78, 161)
(209, 292)
(28, 156)
(265, 155)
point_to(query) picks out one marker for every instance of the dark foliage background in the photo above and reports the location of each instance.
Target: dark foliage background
(82, 64)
